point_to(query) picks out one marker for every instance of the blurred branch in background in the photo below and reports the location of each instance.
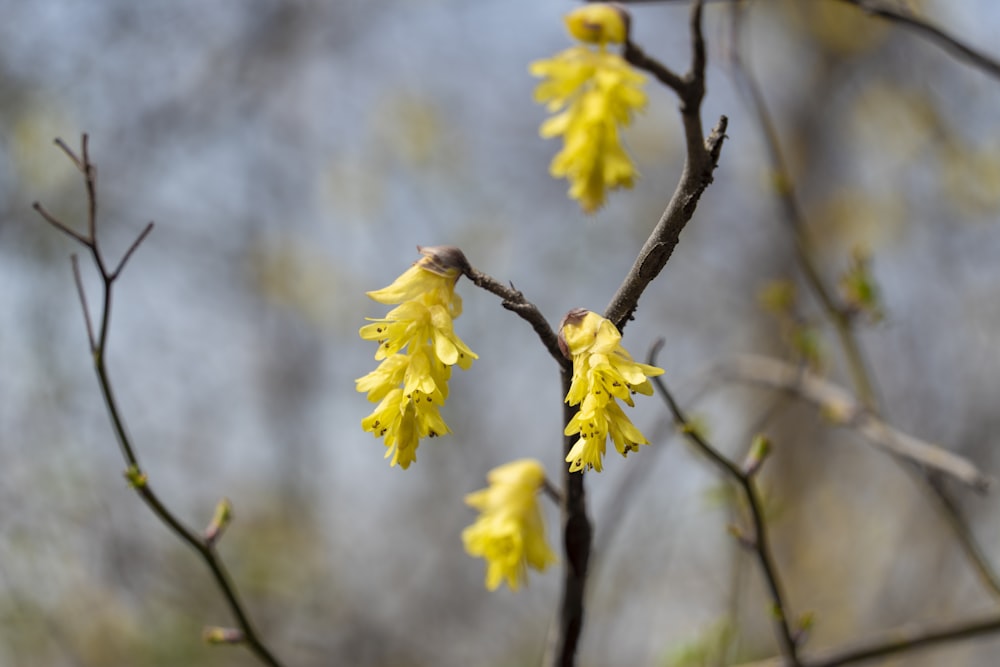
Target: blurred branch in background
(842, 409)
(902, 640)
(205, 544)
(898, 14)
(901, 16)
(842, 317)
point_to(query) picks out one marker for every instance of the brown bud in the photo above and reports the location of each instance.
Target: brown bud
(444, 260)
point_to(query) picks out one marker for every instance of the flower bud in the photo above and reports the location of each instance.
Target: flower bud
(216, 635)
(759, 449)
(599, 23)
(444, 260)
(223, 515)
(136, 478)
(576, 334)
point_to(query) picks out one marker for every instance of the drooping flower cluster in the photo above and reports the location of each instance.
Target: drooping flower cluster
(602, 372)
(509, 533)
(593, 94)
(417, 348)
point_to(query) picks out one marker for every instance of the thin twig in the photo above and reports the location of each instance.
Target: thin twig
(906, 19)
(901, 16)
(514, 301)
(840, 317)
(98, 347)
(131, 249)
(896, 642)
(837, 404)
(52, 220)
(759, 543)
(82, 294)
(700, 161)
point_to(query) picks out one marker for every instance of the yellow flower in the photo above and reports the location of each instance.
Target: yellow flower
(509, 533)
(593, 94)
(603, 371)
(417, 348)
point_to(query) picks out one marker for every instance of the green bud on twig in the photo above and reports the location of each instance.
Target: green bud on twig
(135, 477)
(220, 520)
(759, 450)
(216, 635)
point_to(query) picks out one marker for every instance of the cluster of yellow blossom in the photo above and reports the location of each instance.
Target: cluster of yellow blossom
(594, 93)
(509, 533)
(417, 348)
(602, 371)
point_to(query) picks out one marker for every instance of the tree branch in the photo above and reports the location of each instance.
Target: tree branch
(898, 14)
(246, 634)
(894, 642)
(514, 301)
(759, 543)
(843, 409)
(701, 160)
(903, 17)
(577, 539)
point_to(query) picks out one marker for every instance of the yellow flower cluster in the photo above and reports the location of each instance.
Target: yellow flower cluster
(602, 371)
(509, 533)
(593, 94)
(417, 348)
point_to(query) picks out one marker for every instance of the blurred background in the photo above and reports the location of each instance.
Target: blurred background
(294, 153)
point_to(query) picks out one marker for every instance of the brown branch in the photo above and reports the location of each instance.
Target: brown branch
(701, 160)
(895, 642)
(577, 539)
(98, 348)
(843, 409)
(903, 17)
(577, 531)
(514, 301)
(899, 15)
(758, 542)
(837, 314)
(840, 316)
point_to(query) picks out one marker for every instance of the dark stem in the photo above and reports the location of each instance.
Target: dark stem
(514, 301)
(98, 347)
(759, 541)
(700, 161)
(577, 537)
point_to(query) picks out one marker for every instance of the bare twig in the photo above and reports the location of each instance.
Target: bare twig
(131, 249)
(898, 14)
(895, 642)
(840, 317)
(701, 160)
(758, 542)
(514, 301)
(82, 293)
(98, 347)
(52, 220)
(837, 404)
(903, 17)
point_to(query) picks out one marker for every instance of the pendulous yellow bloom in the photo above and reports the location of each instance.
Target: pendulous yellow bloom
(594, 94)
(417, 348)
(603, 371)
(509, 533)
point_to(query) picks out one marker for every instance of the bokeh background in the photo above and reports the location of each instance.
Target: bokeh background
(294, 153)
